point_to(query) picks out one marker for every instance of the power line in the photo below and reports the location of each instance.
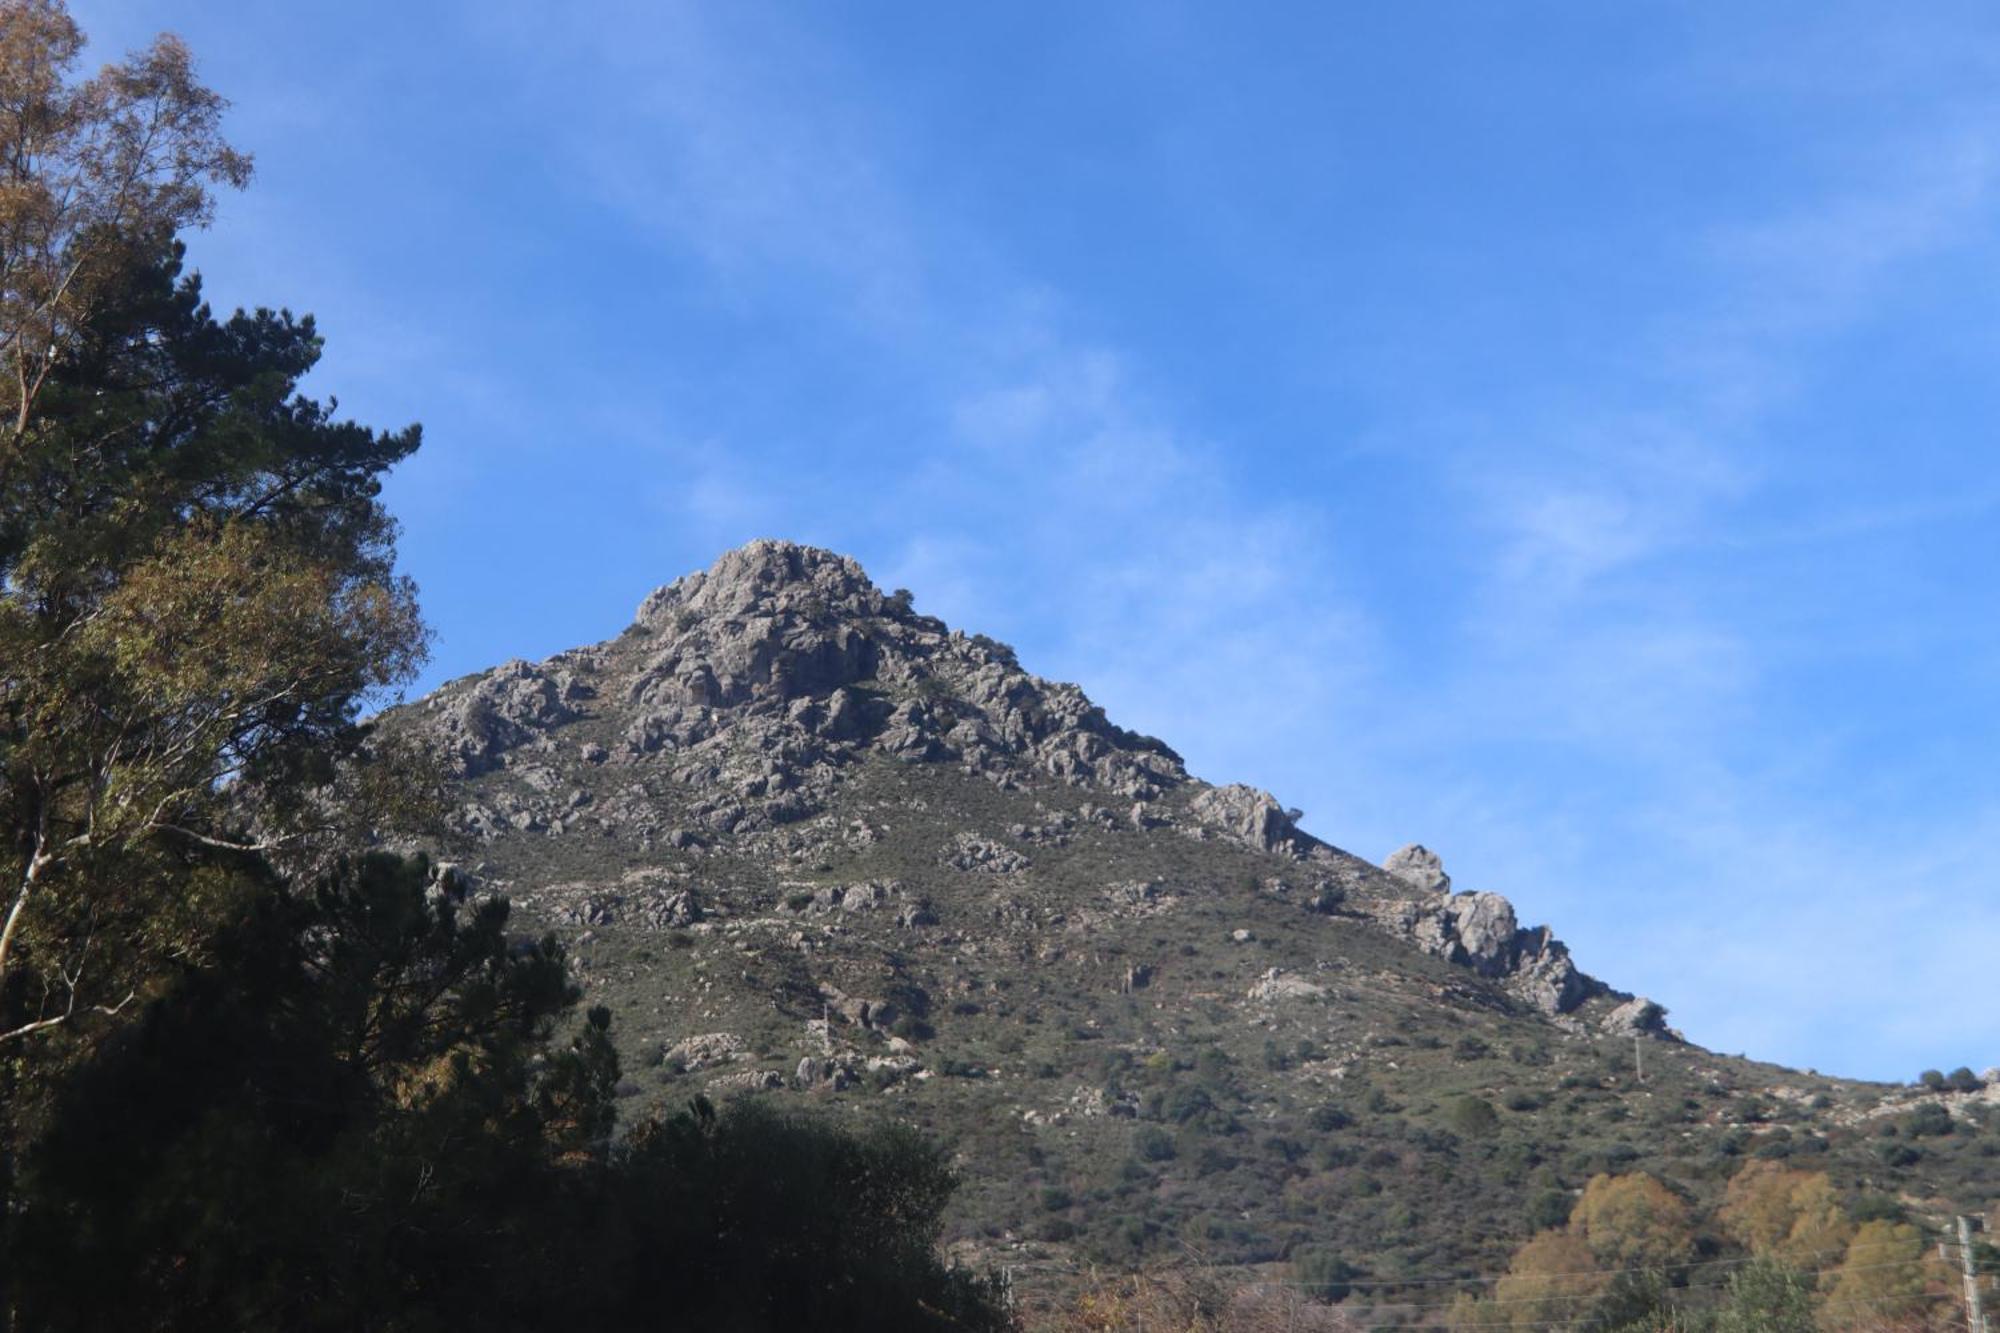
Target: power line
(1401, 1284)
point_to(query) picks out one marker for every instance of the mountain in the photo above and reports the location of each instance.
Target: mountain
(814, 845)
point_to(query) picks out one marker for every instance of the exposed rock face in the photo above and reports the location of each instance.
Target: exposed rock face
(758, 681)
(1637, 1017)
(1419, 867)
(744, 697)
(1277, 984)
(1480, 931)
(1248, 816)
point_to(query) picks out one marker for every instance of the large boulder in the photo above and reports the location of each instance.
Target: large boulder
(1419, 867)
(1636, 1017)
(1245, 815)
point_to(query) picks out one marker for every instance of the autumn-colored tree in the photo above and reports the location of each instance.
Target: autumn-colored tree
(1633, 1222)
(1791, 1216)
(1552, 1278)
(1887, 1280)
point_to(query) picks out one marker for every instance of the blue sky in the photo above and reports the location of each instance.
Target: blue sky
(1561, 433)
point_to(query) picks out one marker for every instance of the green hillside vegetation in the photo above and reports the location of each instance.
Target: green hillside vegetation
(1411, 1119)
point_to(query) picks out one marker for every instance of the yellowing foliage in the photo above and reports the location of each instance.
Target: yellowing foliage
(1793, 1216)
(1887, 1280)
(1552, 1278)
(1633, 1222)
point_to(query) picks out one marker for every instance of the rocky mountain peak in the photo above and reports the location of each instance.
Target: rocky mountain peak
(745, 699)
(768, 577)
(776, 669)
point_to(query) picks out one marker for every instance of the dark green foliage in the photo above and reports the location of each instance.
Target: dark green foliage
(1899, 1154)
(1877, 1208)
(745, 1218)
(350, 1119)
(1547, 1209)
(1322, 1275)
(1765, 1296)
(320, 1123)
(1473, 1117)
(1634, 1300)
(1932, 1079)
(1928, 1121)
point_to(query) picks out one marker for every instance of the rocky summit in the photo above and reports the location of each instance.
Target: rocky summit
(810, 843)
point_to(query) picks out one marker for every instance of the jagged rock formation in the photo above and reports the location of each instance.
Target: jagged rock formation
(759, 682)
(1480, 931)
(742, 697)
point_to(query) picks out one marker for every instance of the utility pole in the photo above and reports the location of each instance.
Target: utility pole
(1639, 1056)
(1975, 1316)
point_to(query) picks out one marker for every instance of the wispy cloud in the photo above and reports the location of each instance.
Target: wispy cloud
(1554, 631)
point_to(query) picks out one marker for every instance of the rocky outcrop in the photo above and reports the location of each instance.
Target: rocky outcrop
(1636, 1017)
(1480, 931)
(511, 705)
(1278, 984)
(704, 1051)
(1419, 867)
(759, 682)
(1247, 816)
(972, 853)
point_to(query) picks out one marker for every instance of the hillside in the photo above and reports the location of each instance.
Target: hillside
(811, 844)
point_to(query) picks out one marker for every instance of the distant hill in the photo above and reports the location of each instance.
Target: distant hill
(813, 845)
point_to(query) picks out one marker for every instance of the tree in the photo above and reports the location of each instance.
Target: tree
(255, 1071)
(97, 176)
(198, 596)
(1884, 1280)
(1767, 1296)
(1322, 1275)
(1794, 1217)
(338, 1117)
(1633, 1222)
(1553, 1278)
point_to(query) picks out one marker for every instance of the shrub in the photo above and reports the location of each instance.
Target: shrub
(1472, 1117)
(1548, 1209)
(1898, 1154)
(1322, 1275)
(1928, 1121)
(1153, 1144)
